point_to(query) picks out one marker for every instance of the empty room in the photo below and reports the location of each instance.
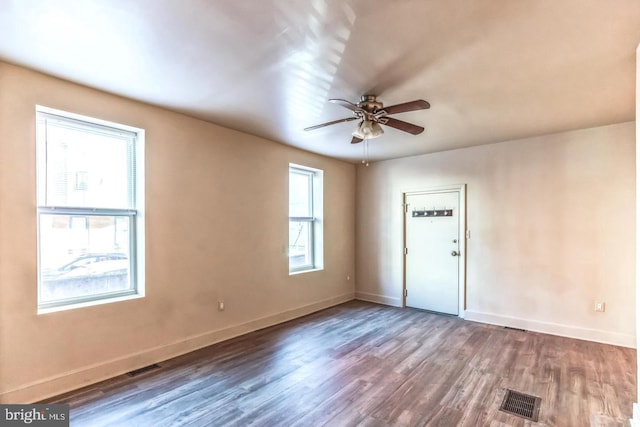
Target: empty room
(318, 213)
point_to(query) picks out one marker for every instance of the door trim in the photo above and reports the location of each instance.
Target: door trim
(461, 189)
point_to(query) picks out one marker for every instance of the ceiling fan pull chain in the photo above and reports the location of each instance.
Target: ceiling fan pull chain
(365, 150)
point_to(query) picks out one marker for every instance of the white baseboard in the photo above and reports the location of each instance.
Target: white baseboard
(597, 335)
(92, 374)
(635, 421)
(379, 299)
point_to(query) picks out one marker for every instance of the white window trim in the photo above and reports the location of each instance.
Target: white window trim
(316, 219)
(137, 216)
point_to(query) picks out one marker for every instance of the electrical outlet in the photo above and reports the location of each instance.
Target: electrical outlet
(348, 277)
(599, 306)
(220, 305)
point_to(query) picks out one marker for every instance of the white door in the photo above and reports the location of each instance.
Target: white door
(433, 251)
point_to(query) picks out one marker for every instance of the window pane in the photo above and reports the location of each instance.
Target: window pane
(300, 244)
(85, 168)
(83, 256)
(300, 194)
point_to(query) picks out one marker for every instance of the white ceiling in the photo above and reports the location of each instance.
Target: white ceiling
(492, 70)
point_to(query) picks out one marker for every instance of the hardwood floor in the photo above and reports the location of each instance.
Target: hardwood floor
(361, 364)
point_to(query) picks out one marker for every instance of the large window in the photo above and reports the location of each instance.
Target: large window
(305, 219)
(90, 210)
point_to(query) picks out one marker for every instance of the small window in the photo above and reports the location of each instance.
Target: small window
(305, 219)
(90, 204)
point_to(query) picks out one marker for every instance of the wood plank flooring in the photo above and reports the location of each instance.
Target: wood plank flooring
(361, 364)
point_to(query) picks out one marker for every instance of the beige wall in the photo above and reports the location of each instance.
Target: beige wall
(552, 230)
(216, 228)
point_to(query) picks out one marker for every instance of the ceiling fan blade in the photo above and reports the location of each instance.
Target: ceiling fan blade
(346, 104)
(348, 119)
(400, 125)
(418, 104)
(356, 140)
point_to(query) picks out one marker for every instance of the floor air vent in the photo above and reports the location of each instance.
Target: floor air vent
(143, 370)
(515, 329)
(521, 405)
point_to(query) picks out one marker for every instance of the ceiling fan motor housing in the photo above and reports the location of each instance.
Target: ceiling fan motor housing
(369, 103)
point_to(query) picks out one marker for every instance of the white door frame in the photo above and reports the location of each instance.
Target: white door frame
(462, 232)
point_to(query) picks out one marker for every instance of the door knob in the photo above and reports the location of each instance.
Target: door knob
(455, 253)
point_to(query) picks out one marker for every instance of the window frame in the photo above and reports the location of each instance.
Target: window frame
(134, 211)
(314, 219)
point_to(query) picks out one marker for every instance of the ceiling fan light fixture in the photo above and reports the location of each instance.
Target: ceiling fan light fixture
(368, 129)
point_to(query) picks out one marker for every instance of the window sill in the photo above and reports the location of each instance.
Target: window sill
(88, 303)
(311, 270)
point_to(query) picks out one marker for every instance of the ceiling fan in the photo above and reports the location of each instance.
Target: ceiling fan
(372, 114)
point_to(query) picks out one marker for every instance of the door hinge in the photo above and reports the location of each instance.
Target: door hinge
(406, 207)
(405, 292)
(406, 251)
